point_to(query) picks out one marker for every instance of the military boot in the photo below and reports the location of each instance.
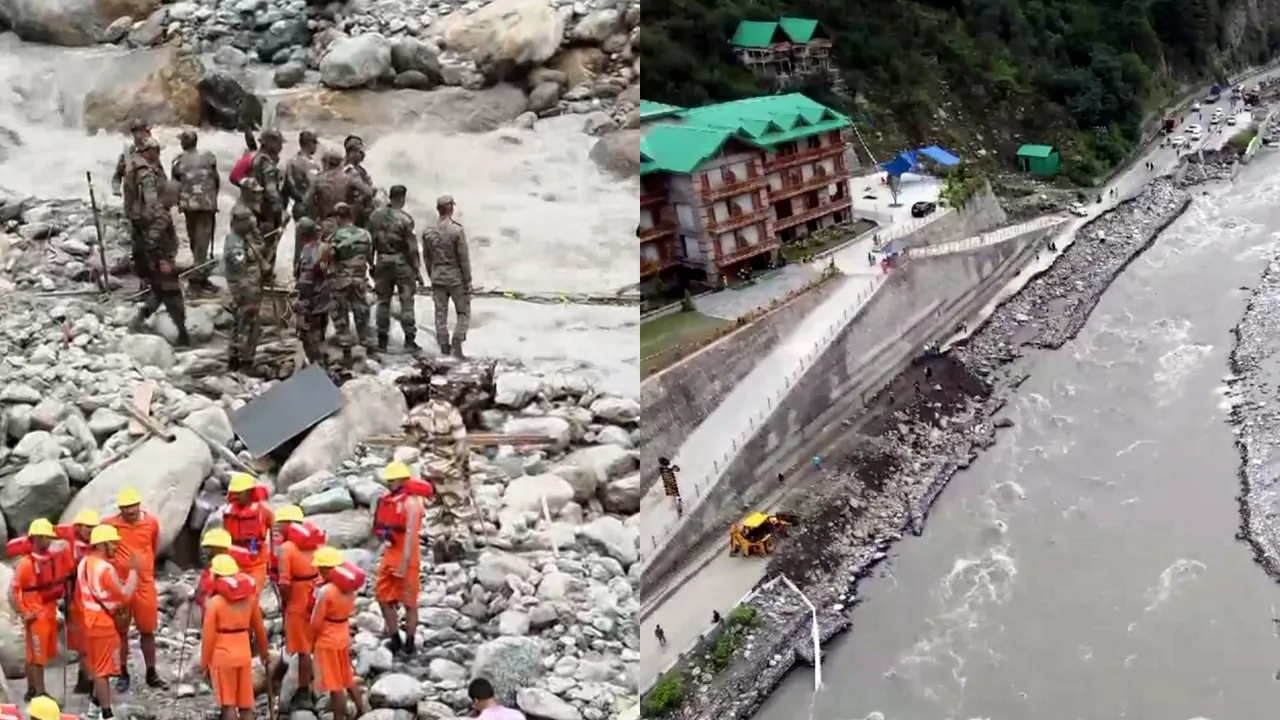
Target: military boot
(382, 342)
(139, 321)
(457, 350)
(184, 339)
(444, 347)
(348, 357)
(410, 344)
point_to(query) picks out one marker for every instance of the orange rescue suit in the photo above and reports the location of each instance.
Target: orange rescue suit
(206, 584)
(298, 579)
(139, 540)
(398, 522)
(331, 628)
(39, 582)
(225, 653)
(102, 596)
(250, 529)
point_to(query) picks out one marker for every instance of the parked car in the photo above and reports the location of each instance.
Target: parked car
(1194, 131)
(1177, 141)
(1231, 120)
(1078, 209)
(921, 209)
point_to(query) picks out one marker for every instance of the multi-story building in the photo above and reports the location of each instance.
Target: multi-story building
(784, 50)
(726, 185)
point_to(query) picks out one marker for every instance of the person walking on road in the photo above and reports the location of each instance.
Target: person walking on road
(817, 463)
(670, 486)
(661, 634)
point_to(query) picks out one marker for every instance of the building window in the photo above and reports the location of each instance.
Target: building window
(814, 142)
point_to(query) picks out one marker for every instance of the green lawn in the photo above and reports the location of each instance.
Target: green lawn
(824, 240)
(669, 331)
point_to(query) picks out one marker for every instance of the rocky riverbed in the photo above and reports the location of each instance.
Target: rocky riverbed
(921, 430)
(547, 606)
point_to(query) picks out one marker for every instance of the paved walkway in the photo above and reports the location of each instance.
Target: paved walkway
(994, 237)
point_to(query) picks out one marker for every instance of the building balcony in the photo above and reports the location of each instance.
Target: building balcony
(739, 187)
(813, 183)
(783, 223)
(649, 268)
(748, 251)
(741, 220)
(810, 155)
(652, 198)
(653, 233)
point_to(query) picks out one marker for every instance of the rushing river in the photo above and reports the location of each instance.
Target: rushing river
(539, 215)
(1086, 567)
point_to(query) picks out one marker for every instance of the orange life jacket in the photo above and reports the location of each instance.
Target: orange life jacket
(245, 523)
(9, 711)
(235, 587)
(391, 516)
(305, 535)
(53, 568)
(206, 585)
(348, 577)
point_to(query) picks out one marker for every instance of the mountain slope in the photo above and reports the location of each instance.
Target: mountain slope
(978, 76)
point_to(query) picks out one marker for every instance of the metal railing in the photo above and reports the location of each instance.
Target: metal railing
(729, 189)
(990, 238)
(822, 210)
(733, 222)
(652, 233)
(700, 486)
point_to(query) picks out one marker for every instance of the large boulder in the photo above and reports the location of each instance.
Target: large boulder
(370, 406)
(355, 62)
(39, 490)
(618, 153)
(226, 104)
(506, 34)
(168, 476)
(69, 22)
(168, 96)
(448, 109)
(510, 663)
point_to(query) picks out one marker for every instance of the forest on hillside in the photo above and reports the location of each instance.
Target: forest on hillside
(1078, 73)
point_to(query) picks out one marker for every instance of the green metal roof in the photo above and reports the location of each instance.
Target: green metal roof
(1036, 151)
(763, 122)
(800, 30)
(650, 110)
(754, 34)
(758, 34)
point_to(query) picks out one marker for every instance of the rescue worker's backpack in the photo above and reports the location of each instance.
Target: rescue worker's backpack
(242, 168)
(235, 587)
(52, 571)
(348, 577)
(305, 535)
(389, 515)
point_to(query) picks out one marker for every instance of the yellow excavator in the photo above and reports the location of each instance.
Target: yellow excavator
(754, 534)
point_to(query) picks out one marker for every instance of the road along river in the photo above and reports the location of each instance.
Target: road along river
(1086, 566)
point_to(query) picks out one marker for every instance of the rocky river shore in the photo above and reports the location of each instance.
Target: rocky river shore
(928, 424)
(546, 607)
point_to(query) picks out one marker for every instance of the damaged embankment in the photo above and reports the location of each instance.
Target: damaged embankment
(928, 423)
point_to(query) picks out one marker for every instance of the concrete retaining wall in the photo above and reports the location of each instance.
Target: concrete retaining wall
(981, 213)
(921, 302)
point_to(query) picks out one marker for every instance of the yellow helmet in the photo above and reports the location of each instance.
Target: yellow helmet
(396, 471)
(88, 517)
(216, 538)
(224, 565)
(104, 534)
(127, 497)
(44, 708)
(327, 557)
(289, 513)
(241, 482)
(41, 528)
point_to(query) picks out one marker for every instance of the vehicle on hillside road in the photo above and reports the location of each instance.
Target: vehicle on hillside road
(1077, 209)
(921, 209)
(1178, 141)
(1194, 132)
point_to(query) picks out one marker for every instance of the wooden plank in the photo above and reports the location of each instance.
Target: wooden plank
(151, 425)
(142, 396)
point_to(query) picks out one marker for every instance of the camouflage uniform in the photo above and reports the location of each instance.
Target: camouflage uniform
(266, 171)
(361, 183)
(299, 173)
(314, 286)
(197, 175)
(243, 266)
(448, 263)
(448, 467)
(119, 185)
(157, 245)
(395, 271)
(352, 260)
(331, 186)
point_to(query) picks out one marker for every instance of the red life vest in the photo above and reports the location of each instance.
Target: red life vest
(235, 587)
(9, 711)
(347, 577)
(305, 535)
(391, 515)
(245, 524)
(53, 568)
(242, 167)
(206, 585)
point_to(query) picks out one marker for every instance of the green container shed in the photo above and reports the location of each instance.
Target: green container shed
(1041, 160)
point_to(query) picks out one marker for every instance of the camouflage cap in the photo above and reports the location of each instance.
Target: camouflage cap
(249, 185)
(270, 134)
(342, 208)
(444, 200)
(138, 124)
(149, 144)
(353, 142)
(332, 159)
(307, 226)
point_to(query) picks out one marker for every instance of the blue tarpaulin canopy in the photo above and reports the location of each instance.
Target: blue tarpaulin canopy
(903, 163)
(907, 160)
(940, 156)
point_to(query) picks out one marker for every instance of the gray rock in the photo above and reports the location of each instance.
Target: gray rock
(596, 27)
(540, 703)
(346, 529)
(330, 501)
(516, 389)
(48, 413)
(40, 490)
(443, 670)
(526, 494)
(213, 423)
(553, 427)
(619, 411)
(396, 691)
(105, 422)
(623, 495)
(353, 62)
(590, 467)
(38, 446)
(544, 97)
(412, 55)
(494, 568)
(615, 539)
(149, 351)
(289, 74)
(14, 393)
(413, 80)
(510, 663)
(370, 406)
(366, 491)
(513, 622)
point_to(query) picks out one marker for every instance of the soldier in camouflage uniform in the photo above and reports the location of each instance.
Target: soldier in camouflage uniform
(265, 170)
(299, 173)
(314, 290)
(361, 183)
(157, 245)
(444, 250)
(448, 466)
(395, 271)
(332, 186)
(353, 263)
(138, 132)
(243, 260)
(197, 176)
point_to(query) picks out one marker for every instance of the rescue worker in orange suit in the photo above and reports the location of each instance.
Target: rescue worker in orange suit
(296, 578)
(216, 542)
(81, 529)
(225, 653)
(42, 708)
(397, 521)
(139, 541)
(39, 582)
(331, 628)
(103, 597)
(249, 520)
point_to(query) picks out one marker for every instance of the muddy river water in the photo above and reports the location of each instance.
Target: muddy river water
(1087, 567)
